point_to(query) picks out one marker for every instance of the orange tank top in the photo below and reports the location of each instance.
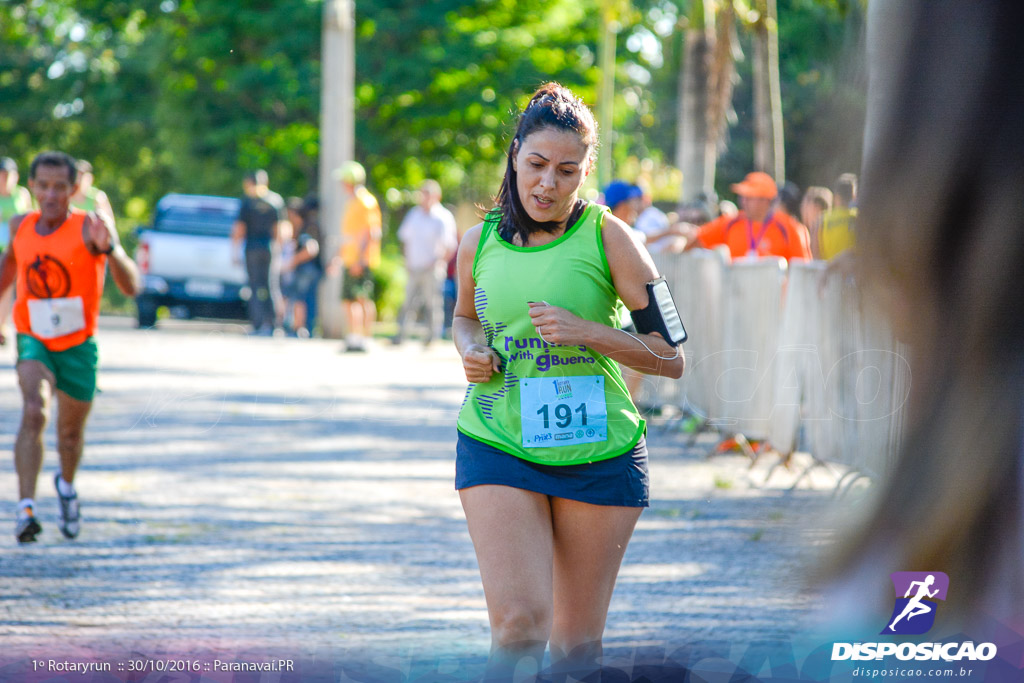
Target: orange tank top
(60, 283)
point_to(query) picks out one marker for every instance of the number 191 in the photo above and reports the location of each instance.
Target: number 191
(563, 415)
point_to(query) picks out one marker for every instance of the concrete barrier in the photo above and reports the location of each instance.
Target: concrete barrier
(789, 355)
(751, 315)
(695, 279)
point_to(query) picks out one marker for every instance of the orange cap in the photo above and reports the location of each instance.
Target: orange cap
(756, 184)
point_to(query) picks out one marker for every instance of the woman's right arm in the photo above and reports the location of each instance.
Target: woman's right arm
(478, 359)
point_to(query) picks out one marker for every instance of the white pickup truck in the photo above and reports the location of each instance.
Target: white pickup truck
(187, 260)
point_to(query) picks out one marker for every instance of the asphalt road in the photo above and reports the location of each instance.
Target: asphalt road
(243, 496)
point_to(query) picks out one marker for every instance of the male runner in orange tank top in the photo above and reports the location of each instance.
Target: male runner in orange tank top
(58, 257)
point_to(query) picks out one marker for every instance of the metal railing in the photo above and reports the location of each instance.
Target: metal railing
(787, 356)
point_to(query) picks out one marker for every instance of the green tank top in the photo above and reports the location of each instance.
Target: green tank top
(87, 203)
(555, 405)
(18, 201)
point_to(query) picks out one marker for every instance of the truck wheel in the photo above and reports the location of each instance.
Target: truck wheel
(147, 312)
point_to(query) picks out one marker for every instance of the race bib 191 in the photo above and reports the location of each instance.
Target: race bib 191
(51, 318)
(563, 411)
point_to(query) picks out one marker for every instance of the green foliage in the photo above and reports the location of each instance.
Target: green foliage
(438, 83)
(239, 90)
(68, 83)
(185, 95)
(650, 50)
(389, 283)
(164, 96)
(823, 88)
(823, 95)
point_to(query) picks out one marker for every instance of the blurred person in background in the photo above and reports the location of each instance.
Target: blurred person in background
(661, 233)
(939, 245)
(789, 200)
(89, 197)
(450, 292)
(838, 226)
(14, 199)
(257, 228)
(359, 255)
(624, 201)
(285, 273)
(695, 212)
(429, 239)
(304, 266)
(816, 203)
(759, 229)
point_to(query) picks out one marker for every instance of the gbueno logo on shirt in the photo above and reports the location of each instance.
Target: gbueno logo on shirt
(914, 613)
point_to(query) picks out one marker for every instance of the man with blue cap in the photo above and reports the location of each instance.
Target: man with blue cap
(624, 200)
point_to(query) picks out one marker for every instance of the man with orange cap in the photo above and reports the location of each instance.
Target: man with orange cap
(757, 230)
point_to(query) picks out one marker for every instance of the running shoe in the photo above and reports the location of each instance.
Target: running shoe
(27, 527)
(68, 520)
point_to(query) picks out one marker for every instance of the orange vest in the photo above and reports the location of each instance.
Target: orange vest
(60, 283)
(779, 235)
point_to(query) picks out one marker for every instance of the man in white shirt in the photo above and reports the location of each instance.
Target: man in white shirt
(429, 239)
(661, 235)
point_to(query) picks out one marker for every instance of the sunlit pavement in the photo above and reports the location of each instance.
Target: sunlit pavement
(246, 494)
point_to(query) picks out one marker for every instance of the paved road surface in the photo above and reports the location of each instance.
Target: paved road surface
(248, 495)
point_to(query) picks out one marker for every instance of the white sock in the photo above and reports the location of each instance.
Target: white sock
(65, 488)
(26, 503)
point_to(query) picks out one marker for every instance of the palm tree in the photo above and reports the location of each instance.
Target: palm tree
(769, 149)
(705, 93)
(707, 76)
(613, 12)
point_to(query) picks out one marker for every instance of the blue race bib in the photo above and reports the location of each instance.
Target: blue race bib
(563, 411)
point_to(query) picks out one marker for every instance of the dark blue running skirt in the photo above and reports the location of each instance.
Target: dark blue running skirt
(621, 481)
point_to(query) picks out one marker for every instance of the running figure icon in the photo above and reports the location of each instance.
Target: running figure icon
(916, 606)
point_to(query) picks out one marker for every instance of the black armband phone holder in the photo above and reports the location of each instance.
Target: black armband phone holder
(660, 314)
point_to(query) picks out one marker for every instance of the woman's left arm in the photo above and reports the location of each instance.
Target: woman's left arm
(632, 268)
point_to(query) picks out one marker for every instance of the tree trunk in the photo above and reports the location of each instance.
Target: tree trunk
(695, 149)
(612, 12)
(606, 100)
(769, 144)
(691, 148)
(337, 142)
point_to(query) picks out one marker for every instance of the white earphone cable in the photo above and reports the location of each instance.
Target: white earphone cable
(648, 347)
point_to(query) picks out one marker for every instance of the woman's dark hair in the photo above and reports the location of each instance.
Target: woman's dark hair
(552, 106)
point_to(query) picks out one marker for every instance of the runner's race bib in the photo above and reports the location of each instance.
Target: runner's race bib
(51, 318)
(563, 411)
